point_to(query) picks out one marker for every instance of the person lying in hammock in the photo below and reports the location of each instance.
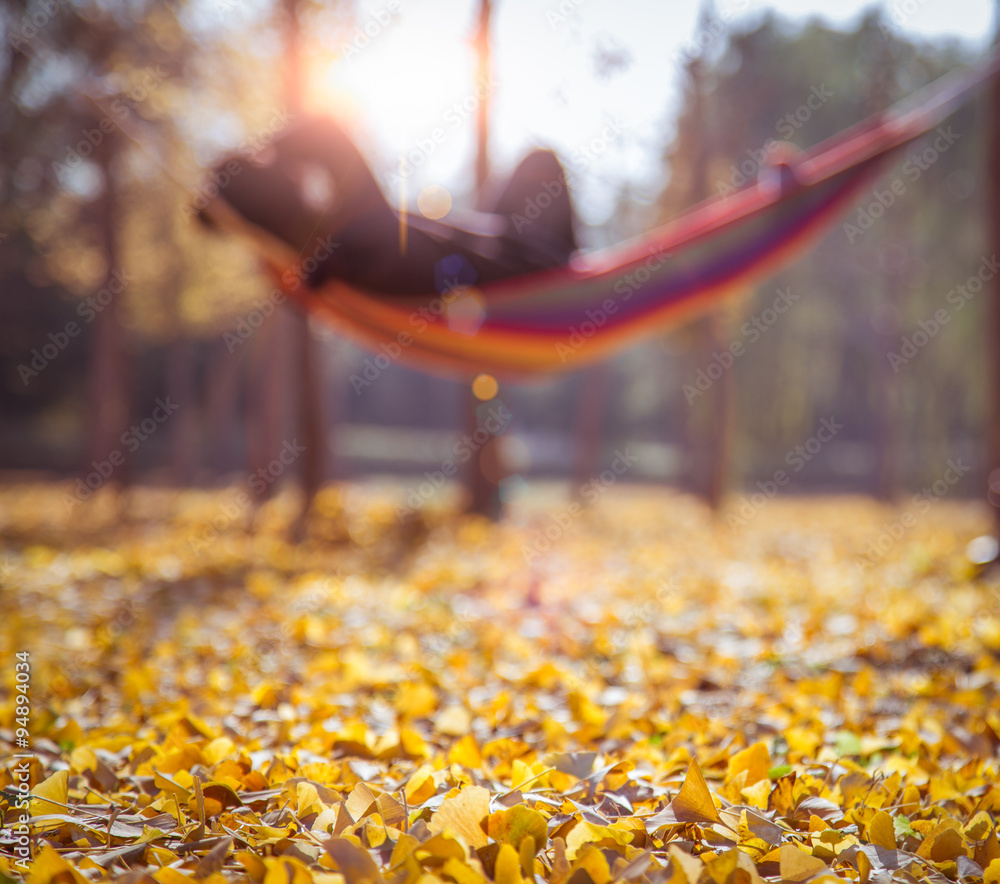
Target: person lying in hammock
(312, 184)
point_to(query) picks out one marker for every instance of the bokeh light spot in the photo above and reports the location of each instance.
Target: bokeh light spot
(434, 202)
(983, 549)
(485, 387)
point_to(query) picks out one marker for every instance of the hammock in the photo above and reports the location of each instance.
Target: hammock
(565, 318)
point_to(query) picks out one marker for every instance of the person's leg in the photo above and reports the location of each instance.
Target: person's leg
(537, 205)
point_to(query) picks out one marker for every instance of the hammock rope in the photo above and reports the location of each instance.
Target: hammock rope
(564, 318)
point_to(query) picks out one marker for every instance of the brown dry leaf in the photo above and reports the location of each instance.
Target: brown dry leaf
(214, 860)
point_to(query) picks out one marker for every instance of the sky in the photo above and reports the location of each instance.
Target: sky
(406, 74)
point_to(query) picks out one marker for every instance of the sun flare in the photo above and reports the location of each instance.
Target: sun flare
(409, 85)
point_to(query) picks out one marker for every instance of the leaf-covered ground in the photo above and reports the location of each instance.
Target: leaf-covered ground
(623, 692)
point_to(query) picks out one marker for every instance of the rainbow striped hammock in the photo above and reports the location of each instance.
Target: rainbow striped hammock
(564, 318)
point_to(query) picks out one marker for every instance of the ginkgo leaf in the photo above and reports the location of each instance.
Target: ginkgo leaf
(287, 870)
(348, 689)
(508, 866)
(444, 845)
(636, 867)
(466, 753)
(420, 786)
(755, 760)
(991, 874)
(797, 866)
(360, 802)
(948, 845)
(463, 814)
(453, 721)
(732, 865)
(694, 801)
(462, 873)
(51, 795)
(47, 866)
(307, 801)
(593, 861)
(585, 832)
(169, 786)
(691, 867)
(882, 831)
(513, 825)
(352, 861)
(252, 864)
(864, 867)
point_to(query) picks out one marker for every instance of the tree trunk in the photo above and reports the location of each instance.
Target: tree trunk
(269, 405)
(993, 183)
(886, 439)
(223, 409)
(710, 418)
(311, 414)
(312, 411)
(184, 424)
(110, 372)
(486, 464)
(591, 413)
